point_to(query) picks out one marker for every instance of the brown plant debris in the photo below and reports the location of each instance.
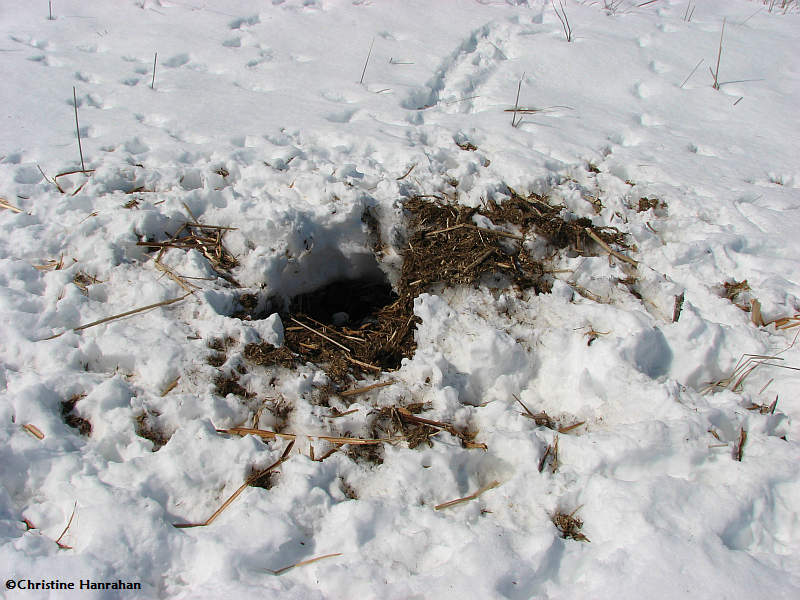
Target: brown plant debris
(225, 384)
(148, 428)
(489, 486)
(303, 563)
(405, 421)
(764, 409)
(569, 525)
(75, 421)
(206, 239)
(257, 475)
(734, 289)
(542, 419)
(59, 543)
(33, 430)
(8, 206)
(646, 204)
(83, 281)
(551, 453)
(740, 444)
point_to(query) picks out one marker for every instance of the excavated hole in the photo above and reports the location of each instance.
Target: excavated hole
(349, 303)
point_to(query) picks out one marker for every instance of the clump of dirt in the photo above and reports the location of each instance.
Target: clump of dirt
(74, 420)
(148, 428)
(267, 481)
(225, 384)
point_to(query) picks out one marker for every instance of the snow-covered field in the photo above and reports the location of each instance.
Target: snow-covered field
(269, 118)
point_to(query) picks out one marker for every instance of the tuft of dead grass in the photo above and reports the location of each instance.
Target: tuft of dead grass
(569, 525)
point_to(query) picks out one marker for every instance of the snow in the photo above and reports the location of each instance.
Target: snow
(257, 121)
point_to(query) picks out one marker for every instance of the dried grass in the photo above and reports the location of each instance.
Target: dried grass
(489, 486)
(569, 525)
(254, 477)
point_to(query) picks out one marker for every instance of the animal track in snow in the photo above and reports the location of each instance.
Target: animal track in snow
(462, 73)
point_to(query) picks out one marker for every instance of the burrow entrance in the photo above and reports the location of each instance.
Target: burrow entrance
(359, 326)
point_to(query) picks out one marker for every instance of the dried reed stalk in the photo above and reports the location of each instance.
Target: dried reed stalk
(303, 563)
(259, 474)
(63, 533)
(365, 389)
(269, 435)
(485, 488)
(33, 430)
(5, 204)
(125, 314)
(608, 249)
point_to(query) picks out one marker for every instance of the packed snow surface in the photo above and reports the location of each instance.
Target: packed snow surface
(288, 122)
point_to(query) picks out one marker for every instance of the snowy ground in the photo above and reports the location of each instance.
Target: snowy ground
(257, 121)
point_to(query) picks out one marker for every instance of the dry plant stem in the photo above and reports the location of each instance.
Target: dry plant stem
(153, 83)
(562, 16)
(407, 173)
(755, 313)
(486, 488)
(365, 389)
(608, 249)
(692, 73)
(676, 311)
(361, 81)
(63, 533)
(125, 314)
(569, 428)
(187, 287)
(235, 494)
(171, 386)
(741, 443)
(322, 335)
(513, 236)
(11, 207)
(53, 181)
(715, 72)
(516, 103)
(303, 563)
(268, 435)
(33, 430)
(408, 416)
(77, 127)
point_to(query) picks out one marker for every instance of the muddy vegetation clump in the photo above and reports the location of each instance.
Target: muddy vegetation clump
(72, 419)
(148, 428)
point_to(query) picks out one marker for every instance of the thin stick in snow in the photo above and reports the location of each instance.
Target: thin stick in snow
(63, 533)
(741, 443)
(125, 314)
(303, 563)
(77, 127)
(516, 103)
(700, 62)
(715, 72)
(608, 249)
(366, 62)
(9, 206)
(153, 83)
(562, 16)
(254, 477)
(486, 488)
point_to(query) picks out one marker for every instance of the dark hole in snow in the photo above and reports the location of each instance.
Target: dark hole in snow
(349, 302)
